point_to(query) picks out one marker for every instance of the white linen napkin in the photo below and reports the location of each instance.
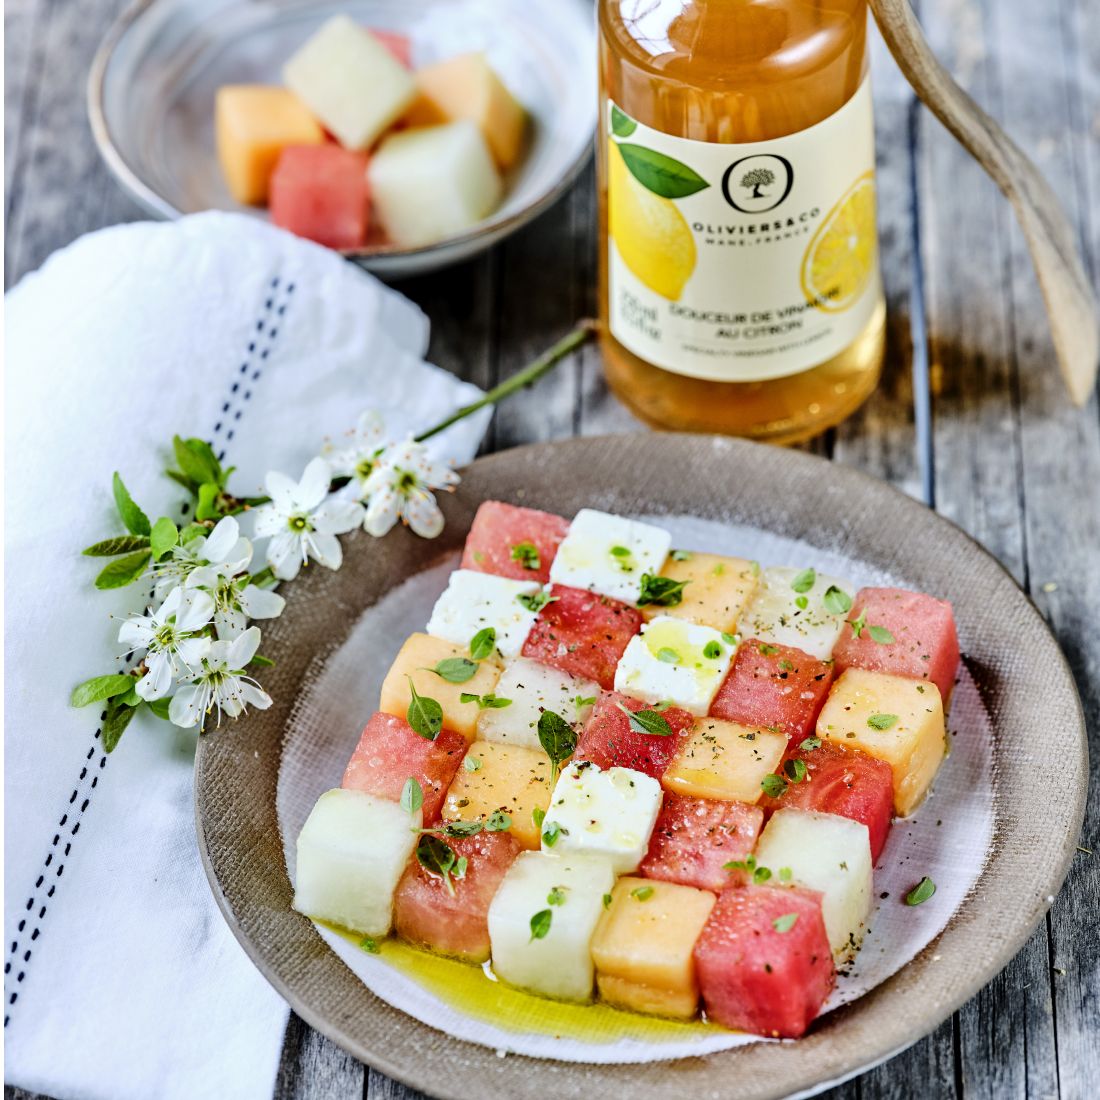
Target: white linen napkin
(121, 978)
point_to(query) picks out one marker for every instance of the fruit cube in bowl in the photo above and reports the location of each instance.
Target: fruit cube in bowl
(320, 192)
(454, 919)
(389, 753)
(473, 602)
(352, 851)
(725, 760)
(611, 739)
(399, 45)
(893, 718)
(800, 608)
(644, 943)
(716, 589)
(764, 962)
(542, 919)
(513, 542)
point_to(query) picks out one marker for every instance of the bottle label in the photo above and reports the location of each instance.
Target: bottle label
(742, 262)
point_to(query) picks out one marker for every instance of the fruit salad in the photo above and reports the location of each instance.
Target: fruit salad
(615, 769)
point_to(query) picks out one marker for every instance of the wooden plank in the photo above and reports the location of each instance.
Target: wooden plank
(22, 27)
(315, 1068)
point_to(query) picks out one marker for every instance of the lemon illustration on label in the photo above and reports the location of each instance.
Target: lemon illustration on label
(840, 259)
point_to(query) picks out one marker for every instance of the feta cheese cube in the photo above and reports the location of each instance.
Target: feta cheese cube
(675, 661)
(351, 853)
(541, 922)
(609, 554)
(473, 601)
(608, 813)
(790, 609)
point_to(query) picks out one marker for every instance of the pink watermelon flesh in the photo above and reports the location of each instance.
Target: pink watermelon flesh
(756, 978)
(774, 686)
(925, 646)
(695, 837)
(389, 753)
(499, 528)
(427, 915)
(582, 634)
(400, 45)
(608, 741)
(320, 192)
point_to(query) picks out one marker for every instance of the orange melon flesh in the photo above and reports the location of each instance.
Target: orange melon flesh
(725, 760)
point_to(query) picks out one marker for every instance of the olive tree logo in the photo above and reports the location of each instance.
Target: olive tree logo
(762, 181)
(757, 178)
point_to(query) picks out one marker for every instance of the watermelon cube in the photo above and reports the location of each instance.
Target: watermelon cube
(513, 542)
(389, 753)
(763, 960)
(925, 645)
(608, 741)
(320, 192)
(427, 914)
(695, 837)
(775, 686)
(582, 634)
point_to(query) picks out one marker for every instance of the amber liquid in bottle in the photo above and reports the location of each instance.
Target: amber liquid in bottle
(733, 72)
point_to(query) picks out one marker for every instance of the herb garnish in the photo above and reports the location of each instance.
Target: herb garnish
(540, 924)
(646, 721)
(412, 796)
(668, 656)
(836, 600)
(536, 601)
(538, 816)
(661, 591)
(730, 639)
(370, 945)
(785, 923)
(456, 670)
(424, 715)
(795, 770)
(498, 822)
(485, 702)
(472, 764)
(642, 893)
(882, 721)
(582, 701)
(712, 651)
(766, 650)
(551, 833)
(607, 901)
(881, 635)
(774, 786)
(810, 744)
(921, 892)
(558, 739)
(483, 643)
(556, 896)
(437, 857)
(527, 554)
(681, 555)
(805, 580)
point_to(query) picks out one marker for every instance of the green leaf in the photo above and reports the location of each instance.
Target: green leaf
(785, 923)
(120, 544)
(99, 688)
(622, 125)
(810, 743)
(437, 857)
(461, 828)
(556, 896)
(805, 580)
(260, 661)
(538, 816)
(836, 600)
(370, 945)
(527, 554)
(660, 591)
(607, 899)
(921, 892)
(114, 725)
(197, 461)
(136, 521)
(795, 770)
(540, 924)
(131, 698)
(712, 651)
(163, 537)
(858, 623)
(424, 715)
(498, 822)
(668, 656)
(194, 530)
(207, 506)
(761, 875)
(123, 571)
(456, 670)
(681, 555)
(766, 650)
(472, 764)
(558, 739)
(646, 721)
(661, 174)
(483, 643)
(882, 721)
(160, 708)
(642, 893)
(774, 786)
(881, 635)
(412, 796)
(536, 601)
(551, 833)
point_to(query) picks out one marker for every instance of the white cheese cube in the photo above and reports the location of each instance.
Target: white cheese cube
(608, 813)
(351, 853)
(350, 81)
(789, 609)
(534, 688)
(609, 554)
(827, 853)
(561, 897)
(674, 661)
(433, 182)
(473, 601)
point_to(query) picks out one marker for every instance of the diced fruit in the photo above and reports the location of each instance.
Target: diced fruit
(508, 778)
(695, 837)
(925, 644)
(800, 608)
(774, 686)
(725, 760)
(829, 854)
(839, 781)
(677, 662)
(755, 977)
(894, 719)
(351, 852)
(350, 81)
(609, 554)
(389, 753)
(427, 914)
(609, 741)
(473, 602)
(420, 654)
(513, 542)
(716, 590)
(532, 689)
(542, 919)
(607, 813)
(320, 192)
(582, 634)
(433, 182)
(643, 946)
(253, 125)
(466, 87)
(400, 45)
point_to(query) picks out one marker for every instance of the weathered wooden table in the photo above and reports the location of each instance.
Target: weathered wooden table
(971, 415)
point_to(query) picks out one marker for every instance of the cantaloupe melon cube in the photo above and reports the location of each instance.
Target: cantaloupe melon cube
(829, 854)
(466, 87)
(508, 778)
(794, 607)
(541, 922)
(893, 718)
(725, 760)
(351, 853)
(433, 182)
(350, 81)
(643, 946)
(474, 601)
(418, 657)
(716, 591)
(253, 124)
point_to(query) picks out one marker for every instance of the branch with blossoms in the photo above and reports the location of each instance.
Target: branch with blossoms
(196, 646)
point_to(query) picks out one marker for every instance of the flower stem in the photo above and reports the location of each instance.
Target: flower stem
(530, 374)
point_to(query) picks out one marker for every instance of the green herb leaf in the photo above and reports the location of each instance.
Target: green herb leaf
(527, 554)
(795, 770)
(437, 857)
(556, 896)
(456, 670)
(460, 867)
(642, 893)
(661, 174)
(370, 945)
(681, 555)
(802, 602)
(761, 875)
(785, 874)
(766, 650)
(774, 786)
(99, 688)
(712, 651)
(163, 537)
(483, 643)
(836, 600)
(460, 828)
(583, 701)
(123, 571)
(424, 715)
(646, 721)
(136, 521)
(536, 601)
(120, 544)
(620, 551)
(660, 591)
(538, 816)
(498, 822)
(558, 739)
(607, 901)
(785, 923)
(882, 721)
(881, 635)
(857, 624)
(805, 580)
(412, 796)
(810, 744)
(668, 656)
(921, 892)
(540, 924)
(472, 764)
(494, 702)
(551, 833)
(622, 125)
(730, 639)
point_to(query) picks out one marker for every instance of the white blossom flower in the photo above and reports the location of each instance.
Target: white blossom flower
(171, 636)
(400, 487)
(302, 523)
(236, 600)
(202, 561)
(358, 459)
(221, 684)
